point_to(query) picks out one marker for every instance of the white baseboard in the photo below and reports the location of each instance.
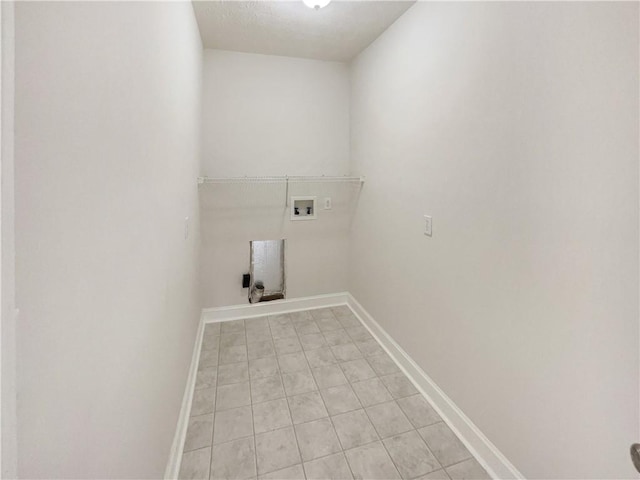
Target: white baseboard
(222, 314)
(496, 464)
(175, 455)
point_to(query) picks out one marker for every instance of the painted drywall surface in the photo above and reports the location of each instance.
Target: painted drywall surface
(269, 115)
(107, 150)
(8, 449)
(516, 127)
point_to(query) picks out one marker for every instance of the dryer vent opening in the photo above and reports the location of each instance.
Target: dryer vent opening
(267, 272)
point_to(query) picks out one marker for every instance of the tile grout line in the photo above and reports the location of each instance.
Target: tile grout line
(215, 401)
(342, 450)
(295, 433)
(286, 399)
(344, 455)
(364, 409)
(380, 439)
(395, 400)
(253, 428)
(309, 369)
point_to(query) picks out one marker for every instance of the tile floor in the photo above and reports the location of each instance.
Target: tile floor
(312, 395)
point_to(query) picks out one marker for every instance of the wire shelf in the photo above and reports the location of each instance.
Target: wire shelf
(280, 179)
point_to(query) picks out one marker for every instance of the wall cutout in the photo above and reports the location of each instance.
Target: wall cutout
(303, 208)
(267, 271)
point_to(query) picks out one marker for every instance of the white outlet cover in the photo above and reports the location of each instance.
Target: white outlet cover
(327, 203)
(428, 226)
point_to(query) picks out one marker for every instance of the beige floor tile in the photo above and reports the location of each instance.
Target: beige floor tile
(271, 415)
(317, 439)
(411, 455)
(328, 324)
(283, 331)
(357, 370)
(312, 341)
(212, 329)
(346, 352)
(198, 432)
(263, 367)
(233, 354)
(371, 392)
(290, 473)
(233, 340)
(354, 429)
(333, 467)
(208, 359)
(233, 373)
(372, 462)
(298, 382)
(419, 412)
(307, 407)
(444, 444)
(329, 376)
(467, 470)
(321, 313)
(232, 424)
(260, 349)
(337, 337)
(399, 385)
(388, 419)
(370, 347)
(340, 399)
(203, 401)
(293, 362)
(234, 460)
(276, 450)
(232, 396)
(305, 327)
(285, 346)
(195, 464)
(300, 316)
(437, 475)
(206, 378)
(382, 364)
(233, 326)
(359, 333)
(320, 357)
(267, 388)
(348, 321)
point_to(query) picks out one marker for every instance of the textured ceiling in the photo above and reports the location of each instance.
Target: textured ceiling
(337, 32)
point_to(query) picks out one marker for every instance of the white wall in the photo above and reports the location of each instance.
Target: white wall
(515, 125)
(107, 152)
(269, 115)
(8, 420)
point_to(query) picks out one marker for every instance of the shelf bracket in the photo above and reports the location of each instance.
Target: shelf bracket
(286, 193)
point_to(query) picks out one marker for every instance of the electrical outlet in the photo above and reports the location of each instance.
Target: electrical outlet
(427, 226)
(327, 203)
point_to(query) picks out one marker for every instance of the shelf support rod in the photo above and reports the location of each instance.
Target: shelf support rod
(286, 193)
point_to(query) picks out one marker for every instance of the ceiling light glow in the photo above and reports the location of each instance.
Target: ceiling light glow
(316, 4)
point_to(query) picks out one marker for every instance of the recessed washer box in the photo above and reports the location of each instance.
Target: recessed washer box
(303, 208)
